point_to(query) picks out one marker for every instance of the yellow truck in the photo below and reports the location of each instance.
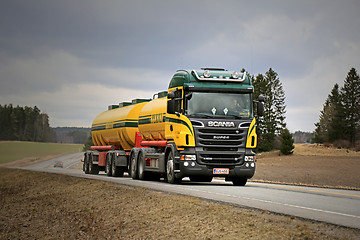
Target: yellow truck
(202, 127)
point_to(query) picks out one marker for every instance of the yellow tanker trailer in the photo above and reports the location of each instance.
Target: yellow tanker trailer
(202, 127)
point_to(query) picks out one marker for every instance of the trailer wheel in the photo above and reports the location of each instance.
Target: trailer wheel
(108, 165)
(93, 169)
(115, 170)
(239, 181)
(133, 167)
(86, 164)
(170, 170)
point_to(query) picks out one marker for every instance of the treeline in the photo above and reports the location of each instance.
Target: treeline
(24, 124)
(339, 121)
(72, 134)
(271, 128)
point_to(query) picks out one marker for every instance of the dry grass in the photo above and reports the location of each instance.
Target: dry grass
(311, 165)
(16, 153)
(49, 206)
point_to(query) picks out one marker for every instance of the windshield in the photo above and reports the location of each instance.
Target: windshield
(236, 105)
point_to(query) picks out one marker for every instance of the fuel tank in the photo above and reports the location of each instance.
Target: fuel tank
(118, 126)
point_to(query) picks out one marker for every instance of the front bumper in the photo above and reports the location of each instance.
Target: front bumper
(192, 168)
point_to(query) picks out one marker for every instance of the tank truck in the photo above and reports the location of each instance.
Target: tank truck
(202, 127)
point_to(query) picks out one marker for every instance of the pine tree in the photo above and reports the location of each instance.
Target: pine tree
(330, 126)
(351, 104)
(273, 120)
(287, 142)
(336, 127)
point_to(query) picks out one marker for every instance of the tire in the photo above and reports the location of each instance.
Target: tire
(108, 166)
(141, 166)
(239, 181)
(93, 169)
(115, 170)
(170, 167)
(133, 167)
(86, 164)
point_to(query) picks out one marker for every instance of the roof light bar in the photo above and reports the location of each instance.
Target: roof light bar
(207, 77)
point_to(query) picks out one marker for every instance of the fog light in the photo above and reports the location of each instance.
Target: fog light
(186, 164)
(193, 164)
(252, 164)
(247, 164)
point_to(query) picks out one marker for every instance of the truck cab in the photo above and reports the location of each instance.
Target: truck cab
(211, 121)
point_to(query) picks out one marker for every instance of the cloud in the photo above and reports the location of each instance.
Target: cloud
(56, 54)
(56, 69)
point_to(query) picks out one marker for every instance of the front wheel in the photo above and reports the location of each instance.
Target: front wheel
(170, 170)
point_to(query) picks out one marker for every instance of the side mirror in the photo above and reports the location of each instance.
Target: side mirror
(171, 106)
(261, 98)
(171, 95)
(260, 105)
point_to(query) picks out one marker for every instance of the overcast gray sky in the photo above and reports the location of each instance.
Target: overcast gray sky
(73, 58)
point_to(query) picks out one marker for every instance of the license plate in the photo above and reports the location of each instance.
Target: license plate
(220, 171)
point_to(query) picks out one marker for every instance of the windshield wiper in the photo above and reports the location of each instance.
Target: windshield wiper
(233, 115)
(206, 115)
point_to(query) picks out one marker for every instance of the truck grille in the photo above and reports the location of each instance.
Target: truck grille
(220, 146)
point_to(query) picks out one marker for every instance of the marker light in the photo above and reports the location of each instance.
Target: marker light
(235, 75)
(207, 73)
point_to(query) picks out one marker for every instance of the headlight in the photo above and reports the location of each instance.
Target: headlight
(188, 157)
(249, 158)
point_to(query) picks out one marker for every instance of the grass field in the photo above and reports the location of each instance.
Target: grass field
(10, 151)
(311, 165)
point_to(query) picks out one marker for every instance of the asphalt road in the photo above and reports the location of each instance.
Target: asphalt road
(340, 207)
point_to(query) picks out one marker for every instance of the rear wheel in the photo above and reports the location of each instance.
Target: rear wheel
(141, 166)
(239, 181)
(108, 165)
(133, 167)
(170, 170)
(115, 170)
